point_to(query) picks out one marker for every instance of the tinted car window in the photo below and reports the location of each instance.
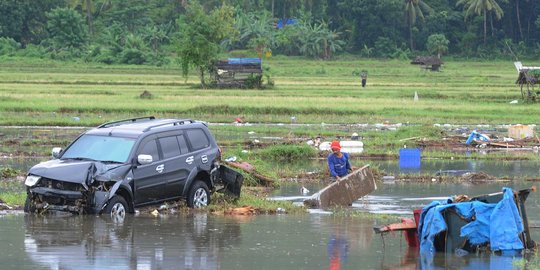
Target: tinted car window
(197, 138)
(169, 146)
(150, 148)
(183, 144)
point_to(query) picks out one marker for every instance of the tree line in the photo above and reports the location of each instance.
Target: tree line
(157, 31)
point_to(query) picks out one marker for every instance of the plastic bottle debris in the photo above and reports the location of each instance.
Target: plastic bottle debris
(461, 252)
(293, 119)
(389, 179)
(231, 159)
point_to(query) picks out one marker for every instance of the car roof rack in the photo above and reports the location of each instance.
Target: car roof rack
(174, 122)
(126, 121)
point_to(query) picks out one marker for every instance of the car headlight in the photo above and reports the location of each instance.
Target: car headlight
(32, 180)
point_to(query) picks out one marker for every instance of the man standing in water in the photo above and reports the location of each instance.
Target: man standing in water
(338, 162)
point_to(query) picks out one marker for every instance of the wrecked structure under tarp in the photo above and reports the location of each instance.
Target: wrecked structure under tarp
(239, 72)
(345, 191)
(528, 77)
(432, 63)
(492, 222)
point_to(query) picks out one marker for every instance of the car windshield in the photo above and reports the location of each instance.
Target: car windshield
(101, 148)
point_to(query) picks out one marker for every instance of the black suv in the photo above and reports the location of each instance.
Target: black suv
(121, 165)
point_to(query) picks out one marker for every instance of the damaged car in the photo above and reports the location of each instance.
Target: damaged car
(121, 165)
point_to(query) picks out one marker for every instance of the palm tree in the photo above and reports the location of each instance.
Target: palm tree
(518, 18)
(481, 7)
(413, 10)
(88, 7)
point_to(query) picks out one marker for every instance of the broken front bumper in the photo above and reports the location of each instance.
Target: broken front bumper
(45, 198)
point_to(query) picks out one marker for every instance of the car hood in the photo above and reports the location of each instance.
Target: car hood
(77, 171)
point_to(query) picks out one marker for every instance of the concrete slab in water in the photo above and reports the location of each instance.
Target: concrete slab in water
(344, 192)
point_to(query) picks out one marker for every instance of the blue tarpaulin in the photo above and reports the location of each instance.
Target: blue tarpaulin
(498, 224)
(241, 61)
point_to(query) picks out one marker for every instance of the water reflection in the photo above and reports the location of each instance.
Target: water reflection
(338, 250)
(87, 242)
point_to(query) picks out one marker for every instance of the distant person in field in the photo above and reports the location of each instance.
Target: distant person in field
(338, 162)
(363, 76)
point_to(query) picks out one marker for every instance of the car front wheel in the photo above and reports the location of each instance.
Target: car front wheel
(198, 196)
(29, 206)
(117, 208)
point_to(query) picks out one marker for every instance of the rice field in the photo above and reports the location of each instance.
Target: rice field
(464, 92)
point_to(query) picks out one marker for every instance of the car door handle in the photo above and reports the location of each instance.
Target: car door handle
(190, 160)
(160, 168)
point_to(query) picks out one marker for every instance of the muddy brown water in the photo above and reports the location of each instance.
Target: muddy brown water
(317, 240)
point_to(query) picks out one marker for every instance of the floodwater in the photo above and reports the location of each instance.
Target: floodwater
(317, 240)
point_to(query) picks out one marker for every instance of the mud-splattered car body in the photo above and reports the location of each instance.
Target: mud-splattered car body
(122, 165)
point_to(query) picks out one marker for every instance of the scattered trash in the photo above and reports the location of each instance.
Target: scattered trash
(245, 151)
(249, 168)
(453, 172)
(246, 210)
(293, 119)
(251, 132)
(354, 137)
(155, 213)
(280, 210)
(346, 146)
(4, 206)
(389, 179)
(163, 207)
(475, 136)
(520, 132)
(238, 120)
(515, 101)
(231, 159)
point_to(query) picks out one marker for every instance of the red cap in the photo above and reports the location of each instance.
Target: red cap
(335, 145)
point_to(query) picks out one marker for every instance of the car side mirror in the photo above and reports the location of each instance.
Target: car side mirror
(56, 151)
(144, 159)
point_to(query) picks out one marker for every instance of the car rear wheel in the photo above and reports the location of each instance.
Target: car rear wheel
(198, 196)
(117, 208)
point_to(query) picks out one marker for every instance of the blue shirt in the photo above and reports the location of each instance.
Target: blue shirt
(339, 166)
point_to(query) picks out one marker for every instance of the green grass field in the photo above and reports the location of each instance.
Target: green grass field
(464, 92)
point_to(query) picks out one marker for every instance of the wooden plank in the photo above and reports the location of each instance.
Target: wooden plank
(344, 192)
(248, 168)
(405, 225)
